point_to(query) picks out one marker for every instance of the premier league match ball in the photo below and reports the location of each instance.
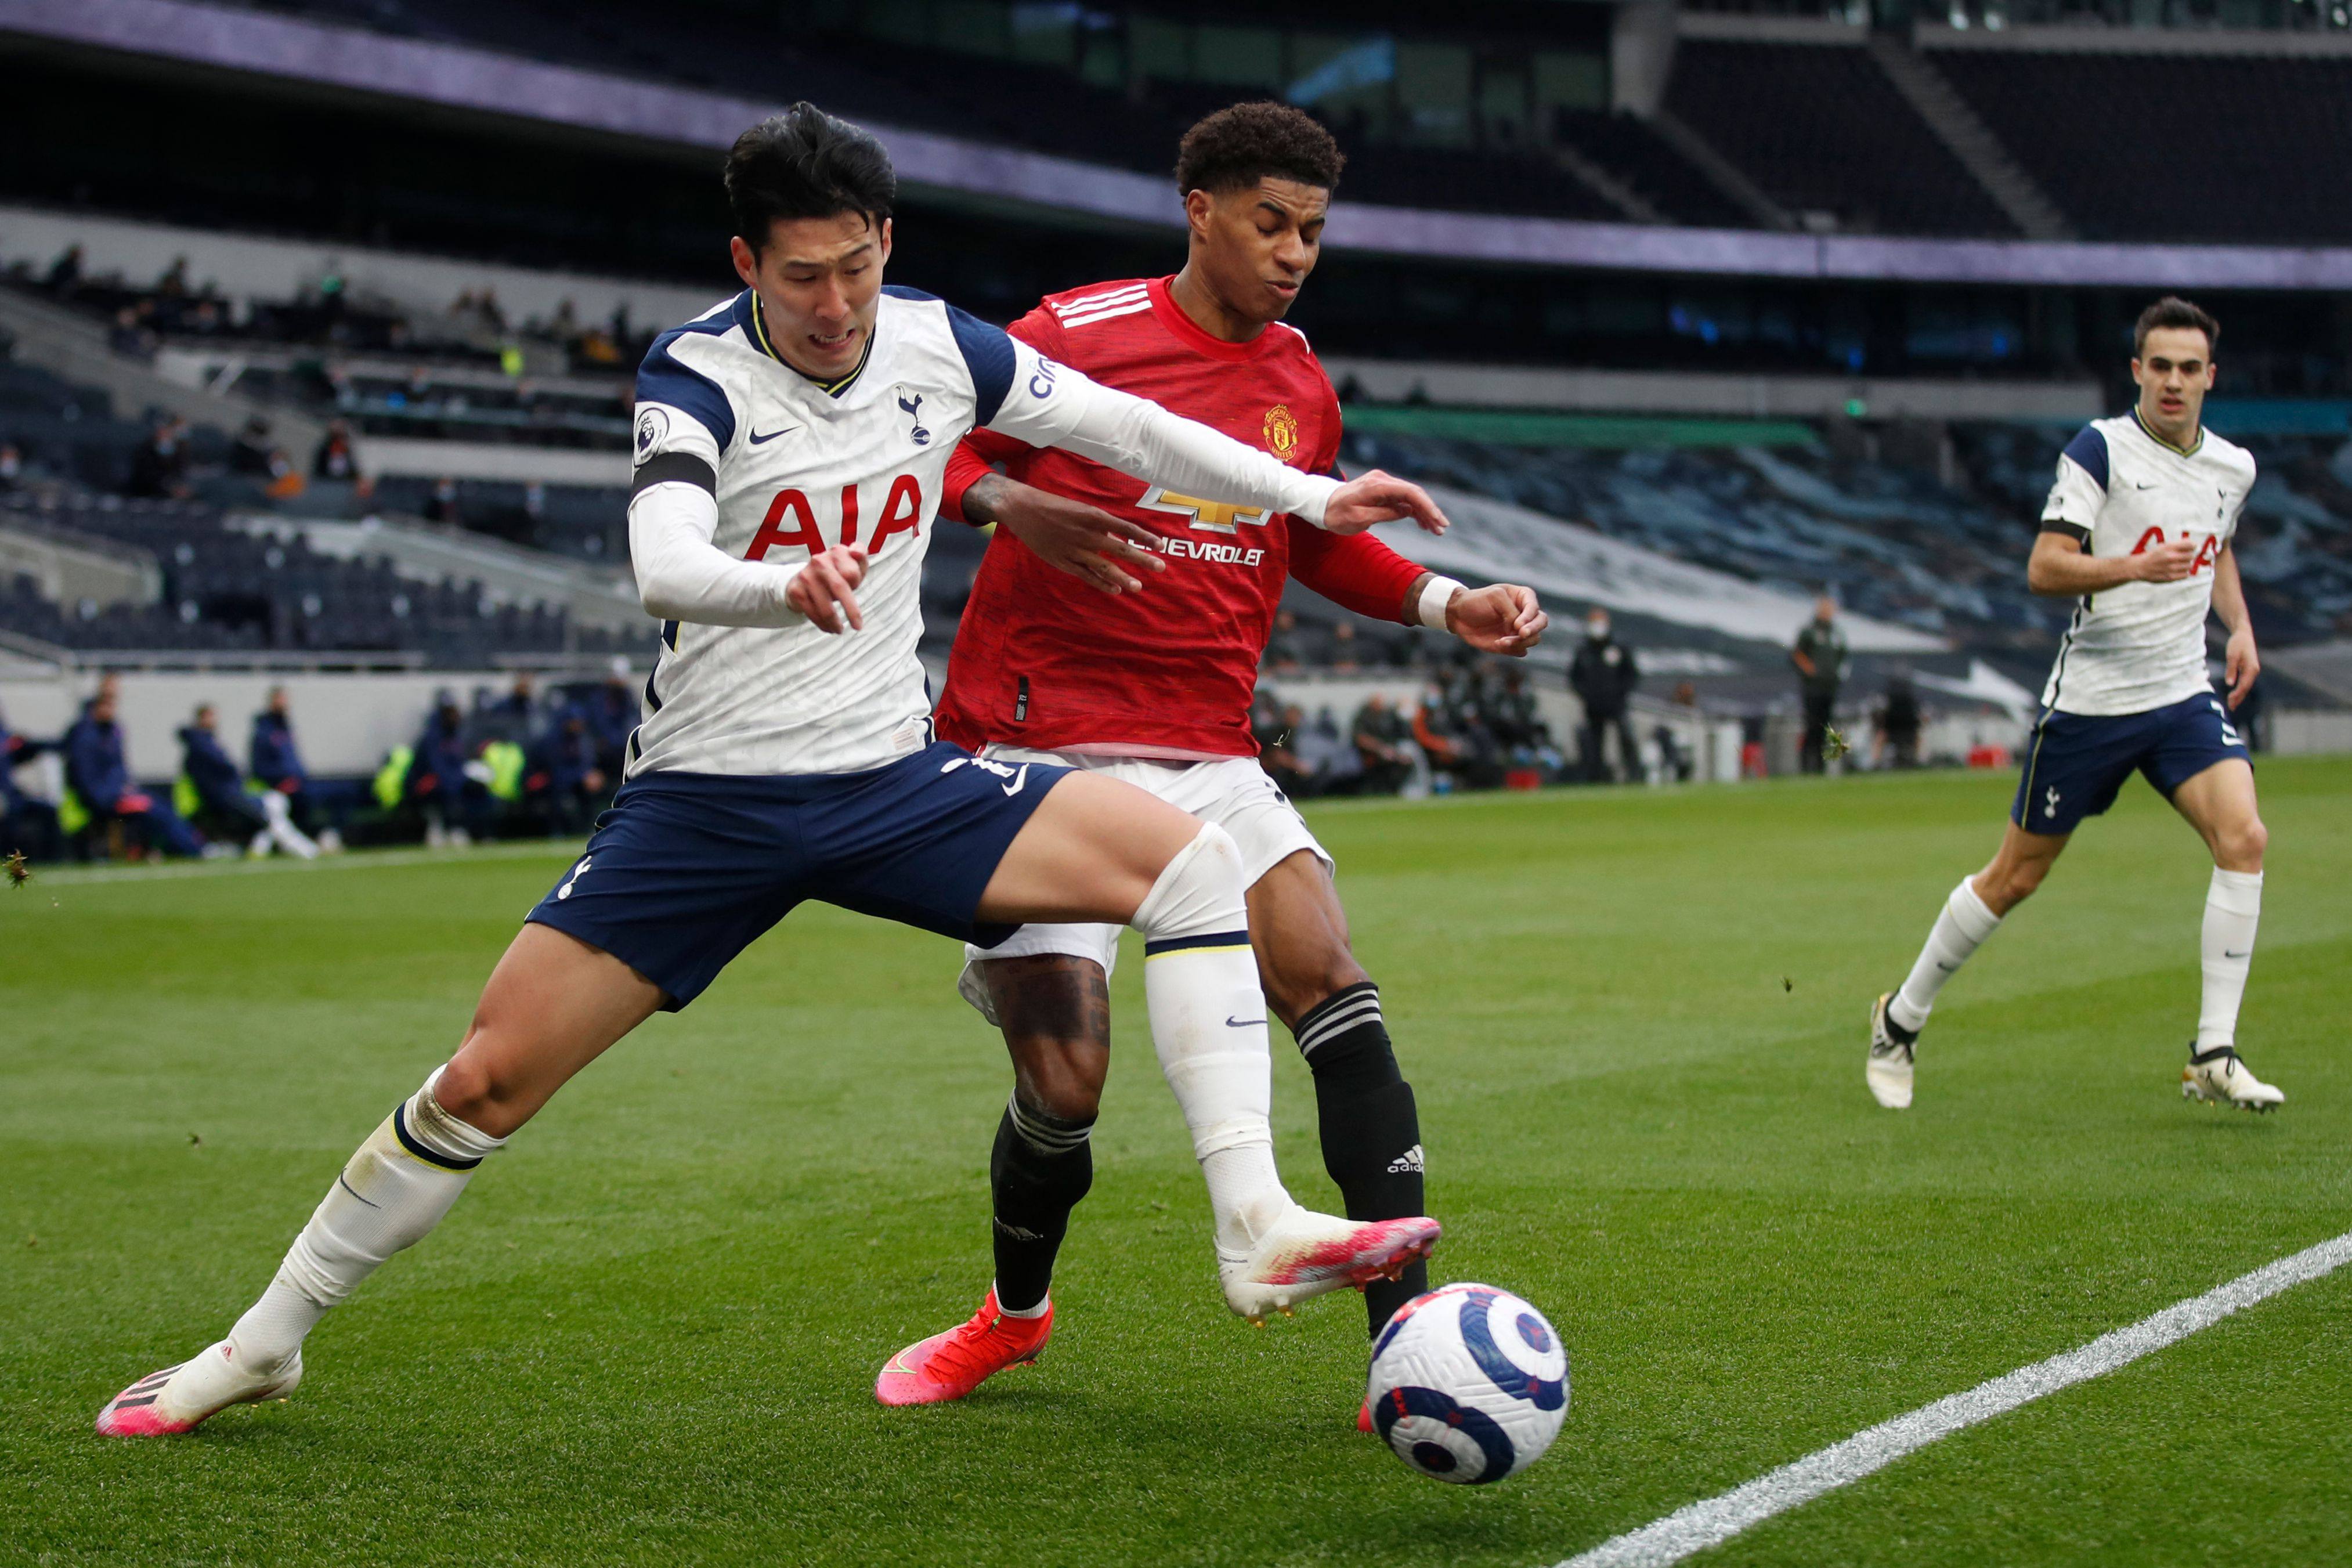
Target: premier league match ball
(1469, 1384)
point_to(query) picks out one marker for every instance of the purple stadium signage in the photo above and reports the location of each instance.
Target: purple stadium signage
(462, 77)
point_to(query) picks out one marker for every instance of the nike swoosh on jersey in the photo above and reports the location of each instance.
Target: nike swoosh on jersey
(1233, 1023)
(758, 439)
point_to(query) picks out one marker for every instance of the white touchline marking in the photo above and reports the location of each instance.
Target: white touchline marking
(1719, 1519)
(372, 859)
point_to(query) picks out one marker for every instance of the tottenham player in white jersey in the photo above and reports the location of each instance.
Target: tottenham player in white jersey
(789, 446)
(2137, 531)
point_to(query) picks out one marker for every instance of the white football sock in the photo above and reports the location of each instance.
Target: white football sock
(393, 1190)
(1045, 1305)
(1960, 928)
(2233, 908)
(1208, 1024)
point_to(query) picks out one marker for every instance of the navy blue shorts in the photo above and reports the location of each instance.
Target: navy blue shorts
(2076, 762)
(689, 869)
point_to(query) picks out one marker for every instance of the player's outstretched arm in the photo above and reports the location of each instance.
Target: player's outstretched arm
(1105, 551)
(1054, 405)
(1373, 497)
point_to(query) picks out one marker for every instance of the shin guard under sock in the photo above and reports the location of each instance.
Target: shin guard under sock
(1370, 1126)
(1041, 1165)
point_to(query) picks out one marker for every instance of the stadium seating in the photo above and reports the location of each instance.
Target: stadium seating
(2271, 158)
(1627, 148)
(1821, 130)
(229, 591)
(1890, 540)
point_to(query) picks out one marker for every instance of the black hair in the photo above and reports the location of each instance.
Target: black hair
(801, 163)
(1237, 147)
(2172, 311)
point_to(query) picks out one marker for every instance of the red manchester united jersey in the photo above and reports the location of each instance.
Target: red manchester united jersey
(1043, 660)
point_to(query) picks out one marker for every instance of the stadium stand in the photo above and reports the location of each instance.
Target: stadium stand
(226, 590)
(2275, 163)
(1823, 130)
(1626, 147)
(1890, 540)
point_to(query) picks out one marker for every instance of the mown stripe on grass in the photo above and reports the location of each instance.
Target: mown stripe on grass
(363, 859)
(1701, 1525)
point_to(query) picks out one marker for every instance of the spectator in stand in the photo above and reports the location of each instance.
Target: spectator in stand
(1821, 659)
(12, 466)
(336, 459)
(1345, 657)
(562, 783)
(1518, 724)
(63, 278)
(1275, 728)
(27, 826)
(1897, 724)
(100, 778)
(130, 335)
(276, 762)
(613, 717)
(173, 284)
(1285, 655)
(221, 796)
(159, 470)
(1332, 763)
(251, 452)
(440, 784)
(442, 507)
(1384, 745)
(1602, 675)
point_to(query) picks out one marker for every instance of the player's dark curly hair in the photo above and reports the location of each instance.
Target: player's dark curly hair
(805, 163)
(1242, 145)
(2172, 311)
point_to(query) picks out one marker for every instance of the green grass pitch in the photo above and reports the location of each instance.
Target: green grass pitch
(1635, 1021)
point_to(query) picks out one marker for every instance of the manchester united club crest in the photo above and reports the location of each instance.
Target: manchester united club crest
(1281, 430)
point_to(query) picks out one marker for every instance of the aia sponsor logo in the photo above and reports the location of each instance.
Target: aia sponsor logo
(791, 520)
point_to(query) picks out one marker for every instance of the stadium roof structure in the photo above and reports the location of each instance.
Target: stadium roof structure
(481, 80)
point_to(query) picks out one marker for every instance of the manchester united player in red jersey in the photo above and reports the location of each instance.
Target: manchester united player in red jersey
(1156, 688)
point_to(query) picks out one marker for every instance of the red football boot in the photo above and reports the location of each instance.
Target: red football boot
(951, 1365)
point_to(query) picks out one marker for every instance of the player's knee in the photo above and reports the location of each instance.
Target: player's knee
(474, 1089)
(2239, 846)
(1199, 892)
(2003, 888)
(1065, 1083)
(468, 1091)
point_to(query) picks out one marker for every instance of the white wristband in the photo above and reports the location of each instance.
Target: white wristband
(1435, 594)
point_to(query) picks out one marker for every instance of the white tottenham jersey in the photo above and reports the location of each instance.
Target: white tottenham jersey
(2123, 491)
(797, 467)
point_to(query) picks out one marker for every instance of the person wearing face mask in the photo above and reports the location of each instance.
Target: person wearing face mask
(1603, 674)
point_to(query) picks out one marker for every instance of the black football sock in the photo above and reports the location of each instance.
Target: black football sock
(1041, 1165)
(1371, 1130)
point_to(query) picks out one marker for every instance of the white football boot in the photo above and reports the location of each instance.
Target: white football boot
(176, 1398)
(1888, 1070)
(2219, 1078)
(1305, 1254)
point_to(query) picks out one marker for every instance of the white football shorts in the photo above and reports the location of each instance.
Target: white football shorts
(1235, 793)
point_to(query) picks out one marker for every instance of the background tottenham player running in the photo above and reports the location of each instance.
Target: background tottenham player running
(1156, 689)
(778, 760)
(2138, 527)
